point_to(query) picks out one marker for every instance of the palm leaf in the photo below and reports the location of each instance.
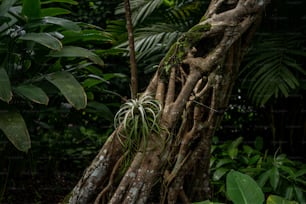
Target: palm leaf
(272, 68)
(141, 9)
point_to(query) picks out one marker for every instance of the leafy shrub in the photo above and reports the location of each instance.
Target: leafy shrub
(274, 174)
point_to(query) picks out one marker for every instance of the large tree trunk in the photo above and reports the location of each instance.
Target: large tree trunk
(193, 83)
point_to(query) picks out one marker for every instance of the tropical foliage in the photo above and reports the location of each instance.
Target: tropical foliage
(54, 71)
(274, 174)
(41, 58)
(157, 25)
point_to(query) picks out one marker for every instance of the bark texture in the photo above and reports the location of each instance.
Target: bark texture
(193, 83)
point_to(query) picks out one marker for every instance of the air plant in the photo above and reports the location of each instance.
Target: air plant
(139, 118)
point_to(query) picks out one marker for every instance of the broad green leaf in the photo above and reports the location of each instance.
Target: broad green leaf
(31, 8)
(15, 129)
(44, 39)
(273, 199)
(33, 93)
(72, 51)
(70, 88)
(242, 189)
(54, 11)
(5, 86)
(67, 24)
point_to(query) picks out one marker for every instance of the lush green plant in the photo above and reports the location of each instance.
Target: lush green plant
(243, 189)
(38, 56)
(274, 174)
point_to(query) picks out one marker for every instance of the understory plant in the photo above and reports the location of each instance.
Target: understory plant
(275, 174)
(41, 56)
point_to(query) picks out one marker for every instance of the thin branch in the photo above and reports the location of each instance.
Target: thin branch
(129, 26)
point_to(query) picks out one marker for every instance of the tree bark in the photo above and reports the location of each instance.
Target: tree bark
(193, 83)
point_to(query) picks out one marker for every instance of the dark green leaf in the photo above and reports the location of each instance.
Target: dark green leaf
(100, 108)
(70, 88)
(96, 36)
(88, 83)
(5, 86)
(33, 93)
(44, 39)
(232, 148)
(263, 178)
(31, 8)
(300, 194)
(289, 192)
(14, 127)
(274, 177)
(222, 162)
(67, 24)
(219, 173)
(242, 189)
(72, 51)
(54, 11)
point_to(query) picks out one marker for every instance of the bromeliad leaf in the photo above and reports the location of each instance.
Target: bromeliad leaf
(70, 88)
(15, 129)
(5, 86)
(33, 93)
(44, 39)
(72, 51)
